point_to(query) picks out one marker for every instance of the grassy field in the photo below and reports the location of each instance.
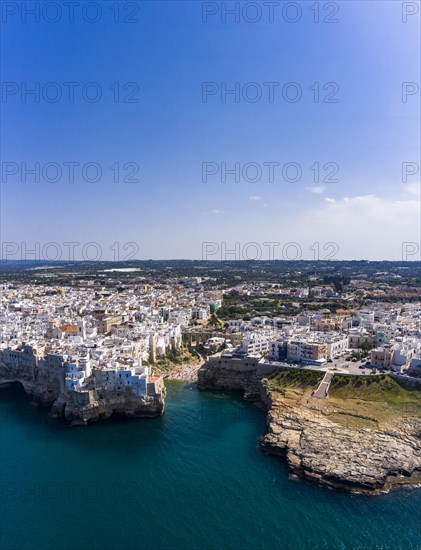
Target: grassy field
(296, 379)
(354, 401)
(372, 388)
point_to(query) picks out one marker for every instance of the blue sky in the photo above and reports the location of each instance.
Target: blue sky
(171, 131)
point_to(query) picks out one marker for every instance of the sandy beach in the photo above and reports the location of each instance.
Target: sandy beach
(187, 373)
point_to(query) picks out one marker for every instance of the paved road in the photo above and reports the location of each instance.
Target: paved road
(322, 390)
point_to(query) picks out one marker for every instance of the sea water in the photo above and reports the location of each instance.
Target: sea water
(193, 478)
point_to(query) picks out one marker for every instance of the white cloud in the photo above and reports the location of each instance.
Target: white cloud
(317, 189)
(216, 211)
(413, 188)
(370, 226)
(366, 226)
(255, 198)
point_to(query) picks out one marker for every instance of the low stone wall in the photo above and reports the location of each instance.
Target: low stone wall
(408, 382)
(265, 369)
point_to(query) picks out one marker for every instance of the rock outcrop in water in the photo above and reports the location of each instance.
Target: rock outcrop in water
(322, 442)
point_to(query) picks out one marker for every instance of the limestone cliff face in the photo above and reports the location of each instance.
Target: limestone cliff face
(318, 448)
(43, 390)
(352, 459)
(230, 377)
(102, 408)
(47, 389)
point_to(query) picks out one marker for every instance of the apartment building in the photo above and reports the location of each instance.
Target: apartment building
(304, 351)
(381, 357)
(255, 344)
(200, 313)
(356, 337)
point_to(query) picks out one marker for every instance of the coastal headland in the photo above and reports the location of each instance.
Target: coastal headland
(97, 406)
(80, 394)
(364, 438)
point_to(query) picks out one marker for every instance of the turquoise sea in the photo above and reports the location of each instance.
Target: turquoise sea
(193, 478)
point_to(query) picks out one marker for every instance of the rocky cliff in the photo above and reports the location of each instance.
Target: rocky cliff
(104, 406)
(48, 390)
(332, 442)
(230, 375)
(327, 445)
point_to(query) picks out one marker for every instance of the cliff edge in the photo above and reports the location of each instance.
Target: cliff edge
(365, 438)
(359, 445)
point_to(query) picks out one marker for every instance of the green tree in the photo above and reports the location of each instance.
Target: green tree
(366, 346)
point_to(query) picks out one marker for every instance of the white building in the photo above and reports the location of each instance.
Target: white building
(336, 345)
(200, 313)
(255, 344)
